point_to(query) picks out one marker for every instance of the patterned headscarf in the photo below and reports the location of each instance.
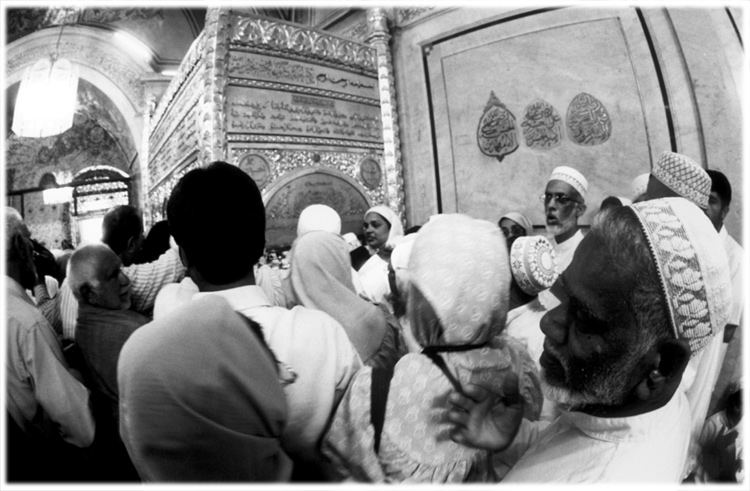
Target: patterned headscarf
(683, 176)
(200, 398)
(693, 269)
(519, 219)
(396, 230)
(460, 266)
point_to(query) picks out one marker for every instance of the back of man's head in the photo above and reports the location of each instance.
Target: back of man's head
(120, 225)
(720, 185)
(83, 268)
(216, 216)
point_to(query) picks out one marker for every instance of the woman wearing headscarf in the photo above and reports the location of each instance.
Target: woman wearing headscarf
(381, 228)
(457, 316)
(321, 279)
(200, 398)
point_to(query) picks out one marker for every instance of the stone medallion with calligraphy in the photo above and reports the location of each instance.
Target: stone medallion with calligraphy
(497, 135)
(257, 167)
(588, 120)
(541, 125)
(370, 173)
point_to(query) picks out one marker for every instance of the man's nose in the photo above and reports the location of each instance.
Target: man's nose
(554, 324)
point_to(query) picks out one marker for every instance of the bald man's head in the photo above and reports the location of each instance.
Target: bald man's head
(96, 277)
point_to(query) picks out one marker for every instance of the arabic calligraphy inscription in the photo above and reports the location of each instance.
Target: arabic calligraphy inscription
(588, 120)
(541, 125)
(497, 135)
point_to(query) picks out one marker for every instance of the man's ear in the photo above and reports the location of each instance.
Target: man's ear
(665, 367)
(88, 294)
(580, 209)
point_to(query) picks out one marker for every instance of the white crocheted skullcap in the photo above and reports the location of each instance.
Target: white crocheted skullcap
(533, 263)
(318, 217)
(572, 177)
(402, 251)
(683, 176)
(693, 269)
(639, 185)
(519, 219)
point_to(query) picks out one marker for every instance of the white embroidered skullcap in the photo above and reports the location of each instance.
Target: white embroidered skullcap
(396, 230)
(533, 264)
(460, 265)
(683, 176)
(519, 219)
(639, 185)
(693, 269)
(318, 217)
(572, 177)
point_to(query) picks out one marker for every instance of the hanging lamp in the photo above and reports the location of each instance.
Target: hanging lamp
(47, 97)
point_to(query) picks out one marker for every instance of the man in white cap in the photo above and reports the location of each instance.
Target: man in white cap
(564, 203)
(645, 293)
(675, 174)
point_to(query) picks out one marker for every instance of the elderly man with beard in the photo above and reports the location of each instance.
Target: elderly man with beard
(564, 203)
(645, 292)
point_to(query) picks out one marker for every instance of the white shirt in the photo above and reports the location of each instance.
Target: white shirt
(316, 348)
(577, 447)
(564, 252)
(40, 389)
(373, 278)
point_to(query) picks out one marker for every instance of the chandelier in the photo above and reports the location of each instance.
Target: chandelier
(47, 96)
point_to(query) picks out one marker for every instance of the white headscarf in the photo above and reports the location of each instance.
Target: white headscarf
(318, 217)
(396, 230)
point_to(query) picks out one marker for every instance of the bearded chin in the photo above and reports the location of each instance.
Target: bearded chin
(554, 230)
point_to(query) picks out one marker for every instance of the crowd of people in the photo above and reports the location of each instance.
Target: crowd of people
(456, 351)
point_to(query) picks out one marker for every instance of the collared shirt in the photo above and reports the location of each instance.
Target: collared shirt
(41, 391)
(315, 347)
(145, 282)
(578, 447)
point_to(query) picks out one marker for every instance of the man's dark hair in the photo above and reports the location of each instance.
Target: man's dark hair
(119, 225)
(630, 258)
(217, 217)
(720, 185)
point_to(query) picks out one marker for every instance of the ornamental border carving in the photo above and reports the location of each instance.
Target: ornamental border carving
(278, 36)
(188, 65)
(262, 84)
(300, 140)
(285, 162)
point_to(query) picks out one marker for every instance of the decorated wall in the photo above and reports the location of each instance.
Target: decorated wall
(298, 109)
(501, 97)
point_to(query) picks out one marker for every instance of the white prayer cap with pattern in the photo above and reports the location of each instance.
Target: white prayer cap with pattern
(519, 219)
(318, 217)
(639, 185)
(532, 262)
(460, 266)
(693, 269)
(572, 177)
(683, 176)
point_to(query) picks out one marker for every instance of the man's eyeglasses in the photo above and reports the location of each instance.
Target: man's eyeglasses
(561, 198)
